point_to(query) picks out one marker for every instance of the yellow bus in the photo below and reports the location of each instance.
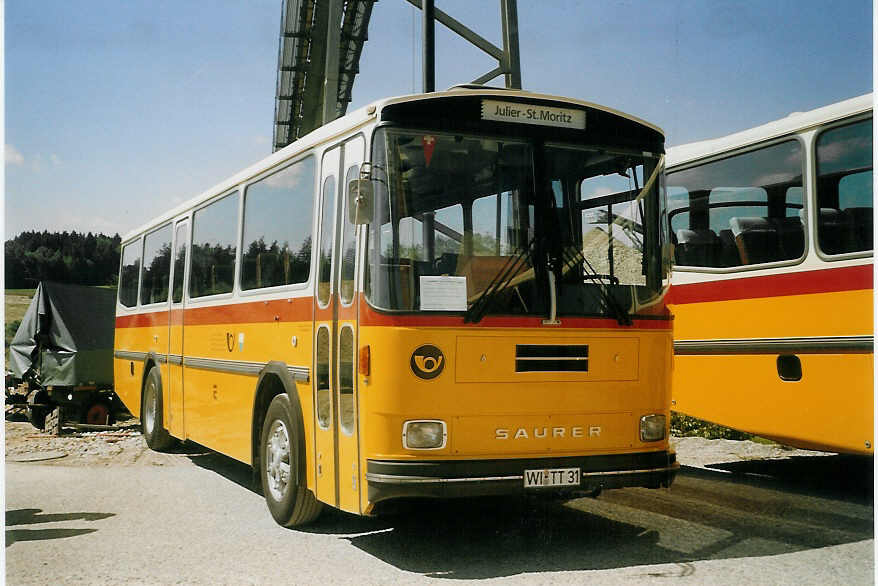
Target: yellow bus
(772, 286)
(451, 294)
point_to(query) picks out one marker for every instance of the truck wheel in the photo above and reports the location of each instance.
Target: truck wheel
(36, 413)
(97, 413)
(282, 466)
(152, 413)
(37, 416)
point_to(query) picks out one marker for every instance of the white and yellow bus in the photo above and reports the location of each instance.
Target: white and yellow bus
(451, 294)
(772, 288)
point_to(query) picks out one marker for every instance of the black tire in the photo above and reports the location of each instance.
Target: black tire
(36, 414)
(152, 413)
(286, 492)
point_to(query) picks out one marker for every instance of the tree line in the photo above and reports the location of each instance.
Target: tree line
(66, 257)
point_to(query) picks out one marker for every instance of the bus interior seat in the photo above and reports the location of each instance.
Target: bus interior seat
(406, 282)
(834, 229)
(791, 234)
(768, 239)
(862, 219)
(400, 280)
(728, 255)
(698, 248)
(481, 270)
(446, 264)
(756, 239)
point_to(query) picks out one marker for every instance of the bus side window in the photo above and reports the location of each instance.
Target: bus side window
(324, 259)
(214, 246)
(348, 244)
(276, 247)
(130, 273)
(844, 189)
(742, 210)
(182, 241)
(156, 266)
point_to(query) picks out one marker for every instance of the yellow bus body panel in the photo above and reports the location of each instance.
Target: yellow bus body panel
(830, 408)
(475, 398)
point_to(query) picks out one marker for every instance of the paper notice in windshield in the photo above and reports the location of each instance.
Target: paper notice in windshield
(533, 114)
(443, 293)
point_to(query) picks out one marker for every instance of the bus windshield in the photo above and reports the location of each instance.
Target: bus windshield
(512, 226)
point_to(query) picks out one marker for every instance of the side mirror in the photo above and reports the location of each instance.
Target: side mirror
(360, 196)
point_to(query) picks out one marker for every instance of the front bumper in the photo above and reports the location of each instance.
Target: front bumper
(389, 479)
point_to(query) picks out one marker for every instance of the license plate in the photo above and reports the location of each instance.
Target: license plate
(551, 477)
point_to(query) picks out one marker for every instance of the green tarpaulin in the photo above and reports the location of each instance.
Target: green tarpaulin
(66, 336)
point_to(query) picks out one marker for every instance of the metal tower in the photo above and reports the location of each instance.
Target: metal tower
(319, 56)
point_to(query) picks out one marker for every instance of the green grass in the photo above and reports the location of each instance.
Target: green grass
(16, 302)
(686, 426)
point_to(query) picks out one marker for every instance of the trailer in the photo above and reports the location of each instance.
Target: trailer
(61, 358)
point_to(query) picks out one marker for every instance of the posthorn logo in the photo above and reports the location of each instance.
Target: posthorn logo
(427, 362)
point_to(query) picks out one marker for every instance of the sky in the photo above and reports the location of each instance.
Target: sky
(116, 112)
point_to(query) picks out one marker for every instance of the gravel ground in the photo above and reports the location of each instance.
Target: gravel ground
(124, 446)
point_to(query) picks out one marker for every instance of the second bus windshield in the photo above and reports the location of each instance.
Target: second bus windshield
(503, 214)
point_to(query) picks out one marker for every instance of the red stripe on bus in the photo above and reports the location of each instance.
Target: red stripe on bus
(300, 309)
(281, 310)
(778, 285)
(370, 317)
(143, 320)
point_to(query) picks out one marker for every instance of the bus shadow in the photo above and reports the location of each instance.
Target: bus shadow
(699, 518)
(229, 468)
(839, 475)
(480, 539)
(730, 510)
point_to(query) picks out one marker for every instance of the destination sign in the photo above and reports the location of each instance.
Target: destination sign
(533, 114)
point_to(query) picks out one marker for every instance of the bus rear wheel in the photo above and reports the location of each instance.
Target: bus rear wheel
(288, 498)
(152, 413)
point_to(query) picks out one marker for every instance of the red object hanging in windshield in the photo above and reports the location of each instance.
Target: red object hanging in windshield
(429, 143)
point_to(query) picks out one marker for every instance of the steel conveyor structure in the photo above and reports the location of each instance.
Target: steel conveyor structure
(308, 53)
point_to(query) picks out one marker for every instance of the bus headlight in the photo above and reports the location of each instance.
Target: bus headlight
(652, 428)
(424, 435)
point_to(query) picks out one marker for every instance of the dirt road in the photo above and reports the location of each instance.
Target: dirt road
(191, 517)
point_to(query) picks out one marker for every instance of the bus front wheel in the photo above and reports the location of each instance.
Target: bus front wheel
(286, 492)
(152, 413)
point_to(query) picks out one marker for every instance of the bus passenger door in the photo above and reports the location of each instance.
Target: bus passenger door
(175, 340)
(335, 331)
(325, 335)
(347, 420)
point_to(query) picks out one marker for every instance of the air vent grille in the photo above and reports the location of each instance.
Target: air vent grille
(551, 358)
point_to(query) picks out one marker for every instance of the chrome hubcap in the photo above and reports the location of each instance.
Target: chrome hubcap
(149, 408)
(277, 460)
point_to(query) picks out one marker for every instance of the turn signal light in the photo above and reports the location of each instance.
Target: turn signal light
(365, 363)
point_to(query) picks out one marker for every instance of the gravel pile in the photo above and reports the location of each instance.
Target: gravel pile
(701, 452)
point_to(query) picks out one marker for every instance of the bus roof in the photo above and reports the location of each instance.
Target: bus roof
(795, 122)
(344, 125)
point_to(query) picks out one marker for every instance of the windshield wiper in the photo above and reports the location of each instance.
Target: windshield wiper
(501, 280)
(571, 260)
